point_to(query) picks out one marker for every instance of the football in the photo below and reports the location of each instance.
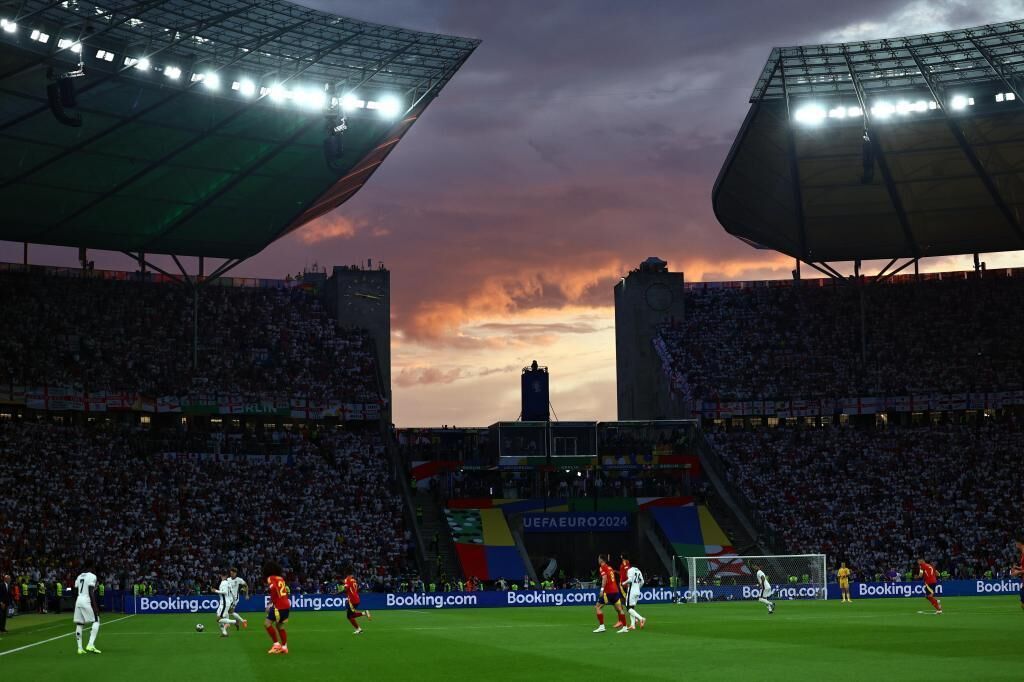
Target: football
(200, 627)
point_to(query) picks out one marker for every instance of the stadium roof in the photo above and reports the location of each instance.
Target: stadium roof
(902, 147)
(203, 124)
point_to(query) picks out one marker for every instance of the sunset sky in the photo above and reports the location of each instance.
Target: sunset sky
(582, 137)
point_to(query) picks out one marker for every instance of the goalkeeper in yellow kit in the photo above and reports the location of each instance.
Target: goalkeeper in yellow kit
(843, 574)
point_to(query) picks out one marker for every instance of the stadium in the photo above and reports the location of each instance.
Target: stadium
(805, 477)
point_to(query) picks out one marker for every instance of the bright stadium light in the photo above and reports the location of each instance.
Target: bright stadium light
(211, 80)
(958, 102)
(244, 86)
(172, 72)
(810, 114)
(920, 106)
(883, 110)
(315, 99)
(853, 112)
(8, 26)
(278, 93)
(142, 65)
(838, 112)
(389, 107)
(350, 102)
(903, 107)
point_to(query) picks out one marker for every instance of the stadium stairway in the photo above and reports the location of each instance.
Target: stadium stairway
(433, 524)
(723, 502)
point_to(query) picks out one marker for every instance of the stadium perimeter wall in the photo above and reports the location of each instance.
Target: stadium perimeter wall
(657, 595)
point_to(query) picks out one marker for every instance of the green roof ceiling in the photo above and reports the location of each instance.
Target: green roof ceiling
(166, 165)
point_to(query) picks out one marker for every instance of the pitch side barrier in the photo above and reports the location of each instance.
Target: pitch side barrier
(162, 603)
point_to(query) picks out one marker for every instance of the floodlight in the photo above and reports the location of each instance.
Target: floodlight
(143, 64)
(172, 72)
(999, 97)
(350, 102)
(854, 111)
(810, 114)
(838, 112)
(1010, 97)
(883, 110)
(390, 107)
(278, 93)
(211, 80)
(244, 86)
(903, 107)
(959, 102)
(8, 26)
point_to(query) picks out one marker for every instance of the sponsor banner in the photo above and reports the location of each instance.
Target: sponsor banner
(574, 522)
(648, 595)
(398, 600)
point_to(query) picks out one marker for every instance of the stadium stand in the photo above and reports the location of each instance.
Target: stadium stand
(881, 499)
(115, 336)
(802, 342)
(174, 517)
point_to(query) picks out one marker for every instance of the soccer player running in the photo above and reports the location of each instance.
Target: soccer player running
(609, 595)
(224, 618)
(1019, 569)
(277, 612)
(237, 584)
(633, 582)
(843, 574)
(931, 577)
(766, 589)
(352, 601)
(87, 610)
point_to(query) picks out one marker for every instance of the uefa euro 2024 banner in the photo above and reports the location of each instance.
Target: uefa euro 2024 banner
(574, 522)
(650, 595)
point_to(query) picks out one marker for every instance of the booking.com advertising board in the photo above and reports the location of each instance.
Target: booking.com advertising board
(655, 595)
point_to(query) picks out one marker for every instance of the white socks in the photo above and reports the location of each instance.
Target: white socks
(78, 635)
(92, 634)
(238, 617)
(764, 601)
(634, 617)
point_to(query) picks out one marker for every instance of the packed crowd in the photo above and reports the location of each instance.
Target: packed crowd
(804, 342)
(881, 499)
(106, 335)
(106, 493)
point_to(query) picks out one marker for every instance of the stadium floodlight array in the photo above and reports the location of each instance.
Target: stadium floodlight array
(385, 69)
(815, 113)
(732, 578)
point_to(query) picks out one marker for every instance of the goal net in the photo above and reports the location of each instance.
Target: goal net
(733, 578)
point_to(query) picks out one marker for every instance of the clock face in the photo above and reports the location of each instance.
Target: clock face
(658, 296)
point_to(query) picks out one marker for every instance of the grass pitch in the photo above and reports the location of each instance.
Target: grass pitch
(978, 638)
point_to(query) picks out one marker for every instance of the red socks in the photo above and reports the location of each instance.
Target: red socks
(272, 633)
(357, 614)
(354, 623)
(934, 603)
(284, 636)
(600, 618)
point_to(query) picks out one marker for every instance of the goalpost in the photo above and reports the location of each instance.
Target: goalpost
(733, 578)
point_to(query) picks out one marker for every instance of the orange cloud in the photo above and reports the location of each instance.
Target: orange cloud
(329, 227)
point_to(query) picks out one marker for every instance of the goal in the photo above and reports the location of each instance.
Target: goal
(732, 578)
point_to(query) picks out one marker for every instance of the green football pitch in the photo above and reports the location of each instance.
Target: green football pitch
(979, 638)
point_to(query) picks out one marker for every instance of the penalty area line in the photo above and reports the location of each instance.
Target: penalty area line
(52, 639)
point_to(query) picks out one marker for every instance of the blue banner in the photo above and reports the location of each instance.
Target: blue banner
(650, 595)
(575, 522)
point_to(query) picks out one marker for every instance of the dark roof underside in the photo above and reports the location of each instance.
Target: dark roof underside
(166, 165)
(938, 182)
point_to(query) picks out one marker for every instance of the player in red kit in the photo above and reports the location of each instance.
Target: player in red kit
(609, 595)
(931, 576)
(1018, 570)
(352, 605)
(277, 612)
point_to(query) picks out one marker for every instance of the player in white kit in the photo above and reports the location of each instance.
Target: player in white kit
(224, 618)
(236, 585)
(766, 589)
(87, 610)
(634, 582)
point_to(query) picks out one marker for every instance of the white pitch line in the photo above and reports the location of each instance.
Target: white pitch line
(66, 634)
